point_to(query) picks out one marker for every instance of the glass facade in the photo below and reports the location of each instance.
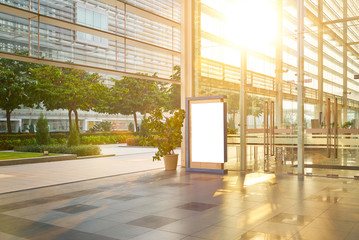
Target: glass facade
(129, 36)
(271, 69)
(246, 50)
(114, 38)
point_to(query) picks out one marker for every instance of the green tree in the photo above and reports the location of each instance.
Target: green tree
(255, 107)
(74, 138)
(31, 128)
(69, 89)
(174, 91)
(16, 85)
(42, 131)
(131, 127)
(132, 95)
(233, 105)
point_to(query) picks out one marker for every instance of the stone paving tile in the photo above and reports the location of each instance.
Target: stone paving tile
(181, 205)
(152, 221)
(75, 208)
(196, 206)
(156, 235)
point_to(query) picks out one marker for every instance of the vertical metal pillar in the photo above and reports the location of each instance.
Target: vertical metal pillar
(29, 53)
(243, 110)
(272, 137)
(329, 141)
(38, 28)
(335, 127)
(265, 128)
(186, 64)
(319, 112)
(345, 61)
(300, 100)
(116, 50)
(279, 68)
(196, 5)
(125, 40)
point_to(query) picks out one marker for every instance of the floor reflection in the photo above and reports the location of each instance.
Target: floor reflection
(284, 160)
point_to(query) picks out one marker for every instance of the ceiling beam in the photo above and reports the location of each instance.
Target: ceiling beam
(352, 43)
(342, 20)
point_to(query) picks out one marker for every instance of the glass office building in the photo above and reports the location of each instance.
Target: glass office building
(288, 68)
(291, 85)
(113, 38)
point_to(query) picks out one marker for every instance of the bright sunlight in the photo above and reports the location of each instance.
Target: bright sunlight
(252, 23)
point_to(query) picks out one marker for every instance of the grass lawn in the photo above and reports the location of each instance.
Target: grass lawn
(17, 155)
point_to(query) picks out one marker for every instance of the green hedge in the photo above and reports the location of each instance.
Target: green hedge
(9, 141)
(88, 134)
(20, 137)
(57, 135)
(138, 141)
(112, 139)
(106, 133)
(10, 144)
(81, 150)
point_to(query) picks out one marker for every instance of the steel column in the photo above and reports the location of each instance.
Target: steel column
(300, 86)
(329, 141)
(243, 110)
(186, 64)
(345, 61)
(319, 113)
(279, 68)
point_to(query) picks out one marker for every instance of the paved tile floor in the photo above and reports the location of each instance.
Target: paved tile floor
(127, 160)
(170, 205)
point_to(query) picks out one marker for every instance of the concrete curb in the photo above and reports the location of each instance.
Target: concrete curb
(63, 157)
(38, 159)
(97, 156)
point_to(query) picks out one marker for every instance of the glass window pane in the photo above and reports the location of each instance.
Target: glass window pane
(81, 15)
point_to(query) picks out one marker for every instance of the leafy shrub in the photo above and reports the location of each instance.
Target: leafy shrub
(113, 139)
(131, 127)
(42, 131)
(135, 141)
(61, 140)
(168, 130)
(30, 141)
(107, 133)
(139, 141)
(74, 138)
(21, 136)
(80, 150)
(32, 128)
(9, 141)
(144, 132)
(58, 135)
(9, 144)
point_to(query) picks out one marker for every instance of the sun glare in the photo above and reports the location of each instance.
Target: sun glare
(252, 23)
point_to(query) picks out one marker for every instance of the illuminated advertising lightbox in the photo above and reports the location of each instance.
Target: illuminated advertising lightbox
(207, 132)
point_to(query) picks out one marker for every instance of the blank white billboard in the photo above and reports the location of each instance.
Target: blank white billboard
(207, 132)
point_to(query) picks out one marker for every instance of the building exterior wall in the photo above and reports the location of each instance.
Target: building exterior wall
(113, 38)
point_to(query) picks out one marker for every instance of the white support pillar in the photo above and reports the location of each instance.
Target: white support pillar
(186, 64)
(319, 109)
(345, 62)
(243, 111)
(300, 101)
(279, 68)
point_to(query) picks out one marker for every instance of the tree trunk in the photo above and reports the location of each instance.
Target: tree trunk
(135, 118)
(8, 122)
(70, 120)
(77, 120)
